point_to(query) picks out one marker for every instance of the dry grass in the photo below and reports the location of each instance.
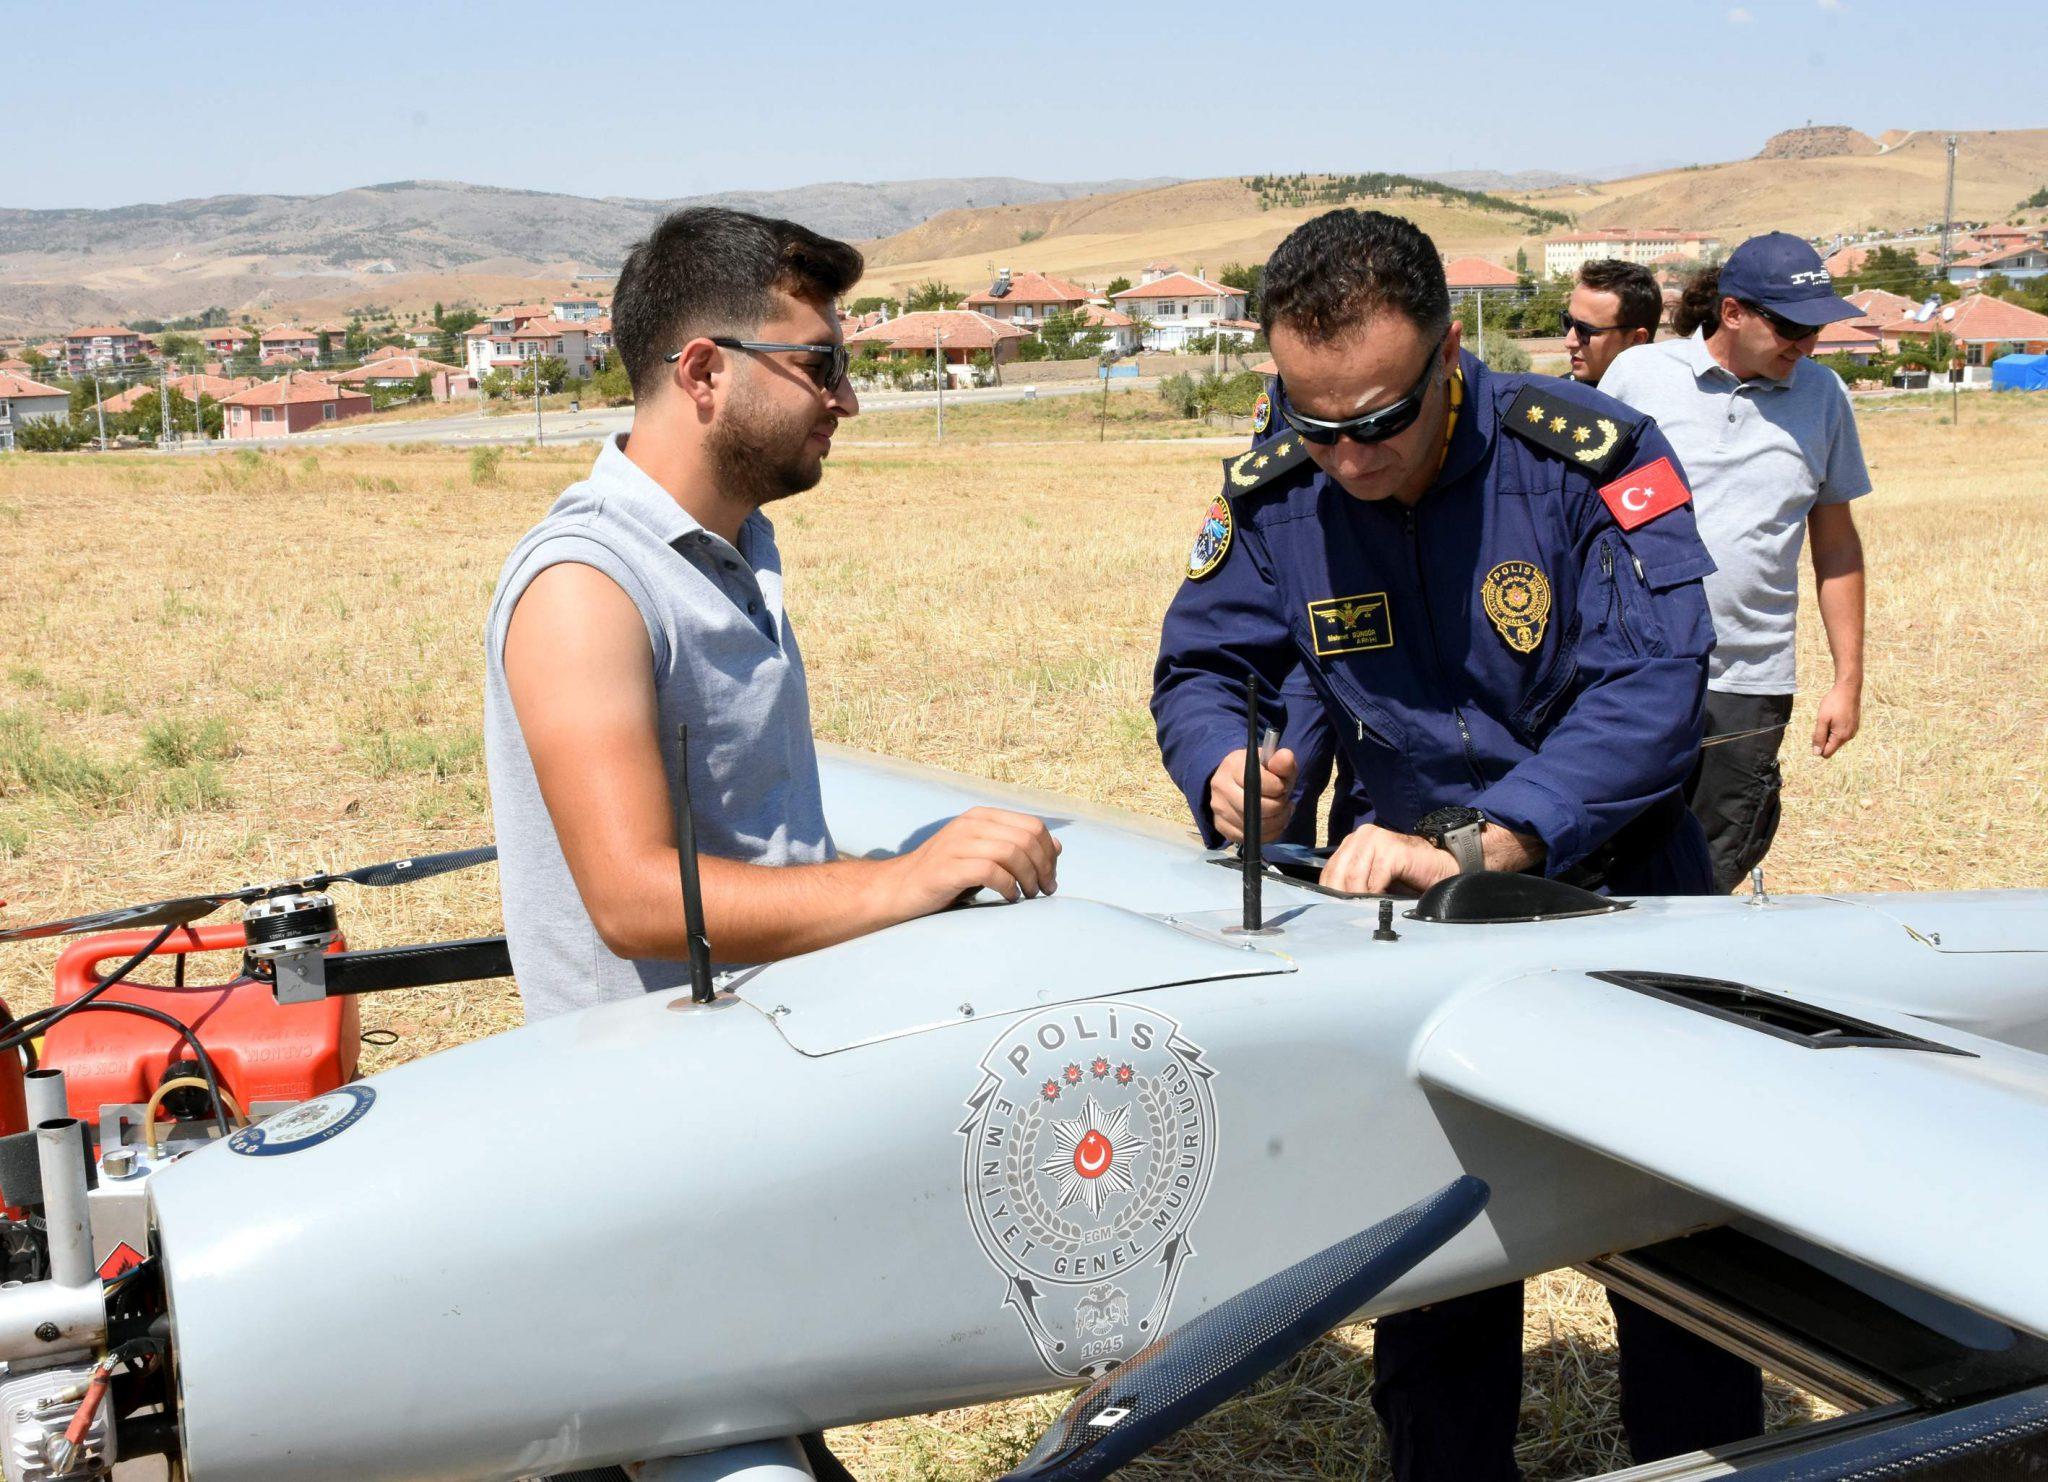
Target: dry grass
(242, 666)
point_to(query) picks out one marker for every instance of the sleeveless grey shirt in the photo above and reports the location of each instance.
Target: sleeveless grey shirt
(725, 662)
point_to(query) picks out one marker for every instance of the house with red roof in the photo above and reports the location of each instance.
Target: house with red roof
(2016, 261)
(399, 368)
(225, 343)
(957, 335)
(190, 387)
(1177, 307)
(1878, 305)
(291, 403)
(23, 400)
(101, 348)
(1857, 339)
(288, 342)
(1120, 330)
(1475, 277)
(1027, 298)
(1985, 328)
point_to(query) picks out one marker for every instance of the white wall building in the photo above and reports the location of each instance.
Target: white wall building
(22, 400)
(1564, 256)
(1177, 307)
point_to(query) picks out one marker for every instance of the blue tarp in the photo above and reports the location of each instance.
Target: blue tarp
(2020, 373)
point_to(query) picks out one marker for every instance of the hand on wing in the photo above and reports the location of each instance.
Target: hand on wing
(1378, 861)
(1276, 786)
(1840, 717)
(1012, 854)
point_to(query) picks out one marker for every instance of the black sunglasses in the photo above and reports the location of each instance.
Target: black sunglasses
(1567, 322)
(1783, 328)
(827, 377)
(1372, 427)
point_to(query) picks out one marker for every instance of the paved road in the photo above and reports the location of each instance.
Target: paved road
(479, 428)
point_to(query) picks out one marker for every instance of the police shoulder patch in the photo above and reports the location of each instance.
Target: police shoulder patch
(1262, 413)
(1263, 464)
(1596, 439)
(1212, 541)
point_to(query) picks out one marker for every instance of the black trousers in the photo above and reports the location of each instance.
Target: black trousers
(1736, 786)
(1447, 1383)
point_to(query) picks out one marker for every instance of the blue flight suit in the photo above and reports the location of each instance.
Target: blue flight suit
(1566, 719)
(1503, 644)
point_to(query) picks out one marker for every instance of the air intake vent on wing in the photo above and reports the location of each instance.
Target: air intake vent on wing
(1785, 1018)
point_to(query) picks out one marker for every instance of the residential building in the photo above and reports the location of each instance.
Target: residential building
(1878, 305)
(537, 339)
(394, 369)
(2016, 262)
(190, 387)
(1475, 277)
(292, 403)
(287, 342)
(1027, 298)
(489, 346)
(1154, 271)
(101, 348)
(15, 366)
(1122, 330)
(1564, 256)
(957, 334)
(225, 344)
(422, 336)
(1177, 307)
(1858, 339)
(1985, 328)
(23, 400)
(577, 308)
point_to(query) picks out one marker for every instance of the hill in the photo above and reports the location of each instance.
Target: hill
(1193, 223)
(265, 253)
(1892, 186)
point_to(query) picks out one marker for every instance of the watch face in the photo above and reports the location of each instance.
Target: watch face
(1434, 826)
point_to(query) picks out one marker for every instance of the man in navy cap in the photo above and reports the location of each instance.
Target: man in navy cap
(1770, 448)
(1480, 594)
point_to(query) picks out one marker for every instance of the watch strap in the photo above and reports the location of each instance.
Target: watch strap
(1466, 847)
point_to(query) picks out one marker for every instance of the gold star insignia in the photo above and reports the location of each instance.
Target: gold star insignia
(1261, 461)
(1535, 414)
(1557, 424)
(1580, 434)
(1283, 450)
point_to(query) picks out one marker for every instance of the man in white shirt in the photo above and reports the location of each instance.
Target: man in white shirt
(1769, 444)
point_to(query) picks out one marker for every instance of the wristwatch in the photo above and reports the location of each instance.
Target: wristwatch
(1456, 830)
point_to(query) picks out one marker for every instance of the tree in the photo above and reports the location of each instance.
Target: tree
(933, 294)
(437, 311)
(1893, 270)
(1066, 336)
(869, 304)
(1522, 264)
(52, 435)
(1249, 277)
(37, 360)
(326, 350)
(1116, 286)
(355, 343)
(181, 349)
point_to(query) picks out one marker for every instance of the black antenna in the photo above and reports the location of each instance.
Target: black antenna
(1254, 811)
(693, 892)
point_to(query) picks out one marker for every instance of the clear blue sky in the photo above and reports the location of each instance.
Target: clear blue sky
(151, 102)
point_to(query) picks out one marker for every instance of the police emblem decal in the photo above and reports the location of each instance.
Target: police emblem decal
(1262, 413)
(1212, 541)
(1089, 1147)
(1517, 598)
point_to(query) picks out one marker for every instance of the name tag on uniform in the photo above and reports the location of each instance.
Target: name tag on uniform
(1642, 494)
(1350, 625)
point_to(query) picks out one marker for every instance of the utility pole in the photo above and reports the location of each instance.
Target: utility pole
(538, 439)
(939, 365)
(163, 402)
(99, 403)
(1948, 208)
(1479, 303)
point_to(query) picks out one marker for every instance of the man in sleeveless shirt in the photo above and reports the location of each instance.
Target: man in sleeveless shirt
(651, 595)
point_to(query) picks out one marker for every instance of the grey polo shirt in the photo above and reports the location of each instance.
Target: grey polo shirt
(1759, 455)
(725, 662)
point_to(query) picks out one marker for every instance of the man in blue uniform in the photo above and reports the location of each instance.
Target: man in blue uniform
(1491, 584)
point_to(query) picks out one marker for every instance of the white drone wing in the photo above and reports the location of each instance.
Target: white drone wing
(1866, 1135)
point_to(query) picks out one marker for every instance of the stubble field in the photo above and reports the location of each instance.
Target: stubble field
(240, 667)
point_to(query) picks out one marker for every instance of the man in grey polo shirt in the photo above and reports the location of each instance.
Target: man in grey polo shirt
(651, 595)
(1770, 448)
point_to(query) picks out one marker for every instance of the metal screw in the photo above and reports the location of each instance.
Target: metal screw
(47, 1331)
(967, 1011)
(778, 1011)
(1385, 932)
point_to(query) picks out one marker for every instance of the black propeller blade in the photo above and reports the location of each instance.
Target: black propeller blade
(1173, 1382)
(184, 910)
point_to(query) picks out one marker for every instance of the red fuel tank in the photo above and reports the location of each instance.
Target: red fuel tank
(261, 1049)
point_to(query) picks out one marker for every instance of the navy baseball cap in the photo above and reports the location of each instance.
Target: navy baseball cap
(1784, 274)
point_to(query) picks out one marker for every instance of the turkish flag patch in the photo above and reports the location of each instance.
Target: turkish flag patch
(1642, 494)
